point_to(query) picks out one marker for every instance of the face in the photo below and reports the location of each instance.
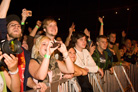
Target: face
(121, 52)
(128, 43)
(43, 47)
(52, 29)
(72, 54)
(124, 49)
(81, 43)
(102, 43)
(112, 38)
(14, 29)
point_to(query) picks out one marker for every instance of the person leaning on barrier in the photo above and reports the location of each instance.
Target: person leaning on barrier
(78, 71)
(81, 74)
(100, 56)
(43, 65)
(84, 59)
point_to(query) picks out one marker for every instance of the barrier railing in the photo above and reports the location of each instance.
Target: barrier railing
(117, 82)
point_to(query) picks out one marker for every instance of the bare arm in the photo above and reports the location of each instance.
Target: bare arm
(12, 80)
(38, 25)
(71, 29)
(39, 71)
(4, 8)
(68, 67)
(101, 32)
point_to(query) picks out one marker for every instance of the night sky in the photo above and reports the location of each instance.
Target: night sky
(84, 14)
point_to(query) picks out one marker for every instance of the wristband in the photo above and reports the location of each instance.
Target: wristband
(66, 56)
(121, 63)
(102, 24)
(98, 67)
(12, 73)
(89, 40)
(22, 23)
(47, 56)
(37, 26)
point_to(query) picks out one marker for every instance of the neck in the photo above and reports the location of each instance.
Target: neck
(51, 37)
(78, 48)
(100, 50)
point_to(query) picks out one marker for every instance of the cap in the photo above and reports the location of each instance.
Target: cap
(12, 17)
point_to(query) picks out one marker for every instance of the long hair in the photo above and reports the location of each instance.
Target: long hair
(36, 46)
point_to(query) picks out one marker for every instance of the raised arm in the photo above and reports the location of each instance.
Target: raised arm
(38, 25)
(101, 32)
(68, 66)
(71, 30)
(4, 8)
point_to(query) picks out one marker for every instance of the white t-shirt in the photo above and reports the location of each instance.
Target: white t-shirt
(85, 60)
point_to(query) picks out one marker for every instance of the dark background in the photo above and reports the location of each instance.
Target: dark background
(84, 14)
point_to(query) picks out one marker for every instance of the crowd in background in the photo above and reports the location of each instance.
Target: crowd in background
(45, 58)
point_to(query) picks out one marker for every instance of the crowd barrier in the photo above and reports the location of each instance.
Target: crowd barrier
(116, 82)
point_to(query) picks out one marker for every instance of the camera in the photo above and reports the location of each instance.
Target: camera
(29, 13)
(55, 44)
(10, 47)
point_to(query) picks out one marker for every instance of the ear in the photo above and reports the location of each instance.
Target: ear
(97, 43)
(8, 38)
(44, 29)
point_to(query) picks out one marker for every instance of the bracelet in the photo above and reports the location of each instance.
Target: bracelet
(12, 73)
(121, 63)
(37, 26)
(22, 23)
(102, 24)
(47, 56)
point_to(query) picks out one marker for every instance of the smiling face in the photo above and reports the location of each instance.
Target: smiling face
(50, 27)
(72, 54)
(40, 46)
(43, 46)
(14, 29)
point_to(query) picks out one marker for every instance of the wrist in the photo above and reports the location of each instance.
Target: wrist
(22, 23)
(102, 24)
(15, 72)
(65, 55)
(37, 26)
(120, 63)
(47, 56)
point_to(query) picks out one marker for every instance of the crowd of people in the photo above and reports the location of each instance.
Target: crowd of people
(45, 58)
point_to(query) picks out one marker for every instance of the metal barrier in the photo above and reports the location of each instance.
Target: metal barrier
(109, 83)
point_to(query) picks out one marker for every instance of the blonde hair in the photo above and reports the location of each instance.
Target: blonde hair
(47, 21)
(36, 46)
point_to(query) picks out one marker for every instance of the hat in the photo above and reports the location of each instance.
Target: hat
(12, 17)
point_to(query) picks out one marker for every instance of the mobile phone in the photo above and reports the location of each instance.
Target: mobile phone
(29, 13)
(55, 44)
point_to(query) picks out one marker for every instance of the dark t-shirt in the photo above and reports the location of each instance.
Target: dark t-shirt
(3, 31)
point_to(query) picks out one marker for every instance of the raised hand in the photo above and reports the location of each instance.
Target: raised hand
(39, 23)
(72, 28)
(87, 32)
(100, 19)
